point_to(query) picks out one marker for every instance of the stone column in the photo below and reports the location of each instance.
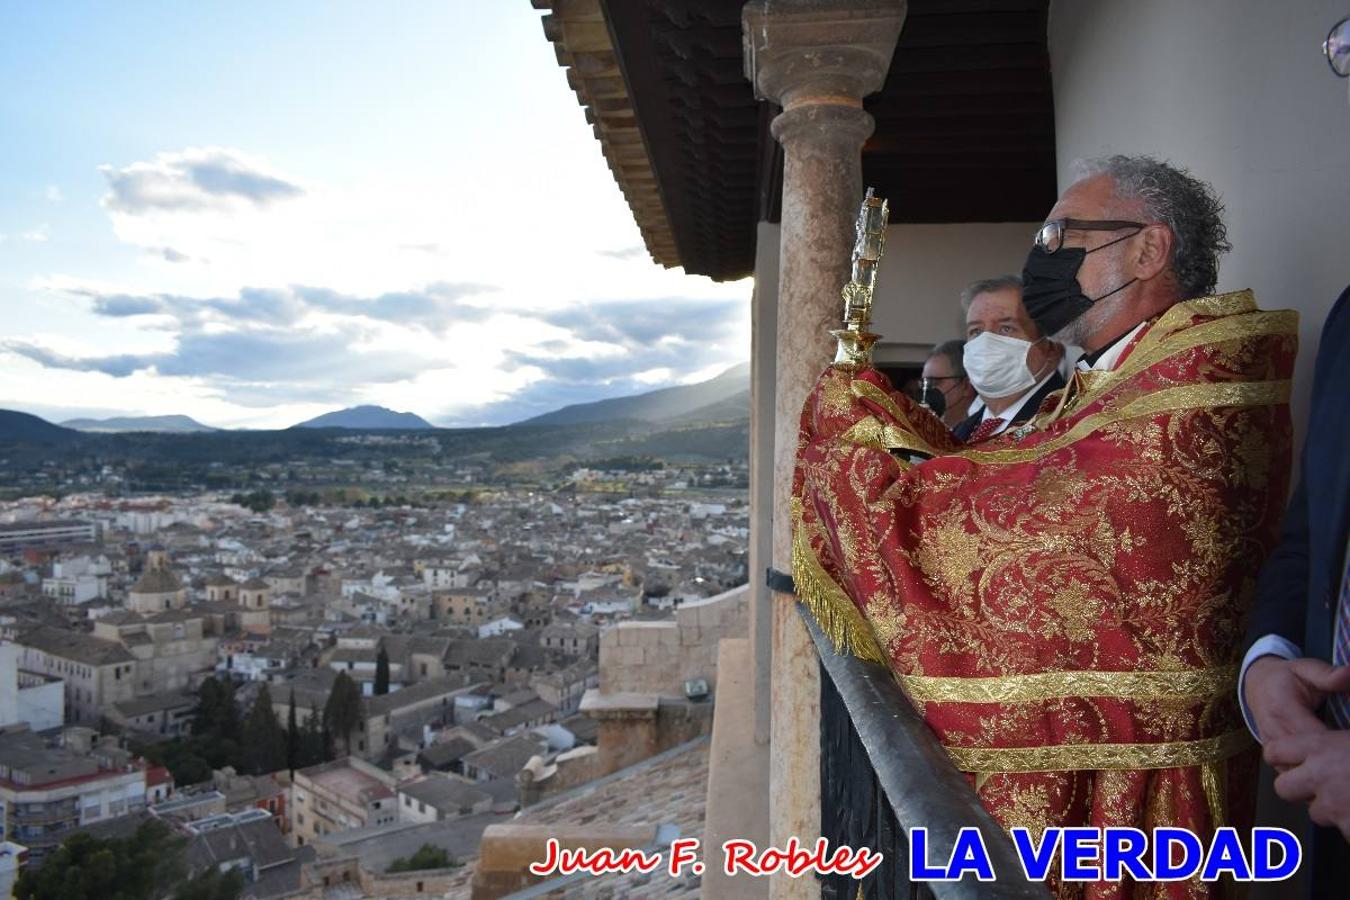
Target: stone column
(763, 398)
(816, 59)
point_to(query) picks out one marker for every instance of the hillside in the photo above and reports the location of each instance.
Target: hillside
(160, 424)
(21, 428)
(714, 400)
(701, 423)
(367, 417)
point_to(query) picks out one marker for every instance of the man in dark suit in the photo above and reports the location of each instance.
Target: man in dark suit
(1012, 366)
(1295, 684)
(1295, 681)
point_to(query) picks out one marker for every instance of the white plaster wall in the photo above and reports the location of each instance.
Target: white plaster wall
(42, 706)
(408, 812)
(9, 683)
(924, 268)
(1238, 92)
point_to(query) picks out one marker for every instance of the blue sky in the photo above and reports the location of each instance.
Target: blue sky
(253, 213)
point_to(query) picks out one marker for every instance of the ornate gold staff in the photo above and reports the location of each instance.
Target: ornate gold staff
(855, 340)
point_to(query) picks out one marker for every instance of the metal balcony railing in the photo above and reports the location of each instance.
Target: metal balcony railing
(882, 773)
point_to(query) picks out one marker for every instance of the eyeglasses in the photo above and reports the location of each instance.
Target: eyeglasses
(929, 382)
(1051, 235)
(1337, 48)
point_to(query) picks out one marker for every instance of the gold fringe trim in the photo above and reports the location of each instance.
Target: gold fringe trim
(1191, 684)
(1214, 780)
(1090, 757)
(827, 602)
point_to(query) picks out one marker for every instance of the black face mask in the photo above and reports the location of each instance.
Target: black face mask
(1050, 290)
(934, 399)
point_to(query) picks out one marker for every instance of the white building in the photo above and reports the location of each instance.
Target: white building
(498, 627)
(29, 697)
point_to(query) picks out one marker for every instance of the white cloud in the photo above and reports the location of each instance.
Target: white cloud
(438, 350)
(205, 178)
(466, 300)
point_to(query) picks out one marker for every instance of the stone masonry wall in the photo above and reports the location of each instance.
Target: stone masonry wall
(657, 657)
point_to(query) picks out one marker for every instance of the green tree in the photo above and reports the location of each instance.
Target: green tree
(149, 864)
(259, 501)
(382, 672)
(313, 744)
(264, 742)
(216, 715)
(342, 712)
(428, 856)
(292, 736)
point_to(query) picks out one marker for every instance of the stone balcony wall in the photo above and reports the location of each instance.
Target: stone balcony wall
(658, 657)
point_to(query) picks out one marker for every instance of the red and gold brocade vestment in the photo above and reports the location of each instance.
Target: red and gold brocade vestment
(1065, 603)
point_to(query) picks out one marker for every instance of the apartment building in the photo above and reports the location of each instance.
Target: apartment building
(51, 786)
(340, 795)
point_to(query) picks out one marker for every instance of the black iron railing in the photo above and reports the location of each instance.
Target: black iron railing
(882, 774)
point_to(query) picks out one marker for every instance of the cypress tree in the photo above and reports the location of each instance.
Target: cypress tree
(292, 736)
(342, 712)
(264, 742)
(382, 672)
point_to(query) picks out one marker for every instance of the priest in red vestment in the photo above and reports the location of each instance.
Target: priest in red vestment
(1065, 603)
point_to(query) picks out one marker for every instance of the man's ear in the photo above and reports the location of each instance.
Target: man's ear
(1152, 251)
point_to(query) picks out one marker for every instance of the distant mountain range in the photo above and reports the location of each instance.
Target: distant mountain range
(159, 424)
(367, 417)
(703, 422)
(19, 427)
(720, 399)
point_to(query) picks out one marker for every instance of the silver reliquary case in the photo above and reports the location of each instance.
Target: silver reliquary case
(855, 339)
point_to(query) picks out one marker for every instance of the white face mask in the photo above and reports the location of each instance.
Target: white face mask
(997, 364)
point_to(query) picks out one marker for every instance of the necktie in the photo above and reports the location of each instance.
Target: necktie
(984, 430)
(1338, 705)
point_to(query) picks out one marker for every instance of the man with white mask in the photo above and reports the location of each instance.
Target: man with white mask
(1012, 366)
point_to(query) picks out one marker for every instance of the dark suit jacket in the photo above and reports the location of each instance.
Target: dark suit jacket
(967, 426)
(1298, 589)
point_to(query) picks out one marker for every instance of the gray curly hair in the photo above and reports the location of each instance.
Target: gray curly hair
(1185, 204)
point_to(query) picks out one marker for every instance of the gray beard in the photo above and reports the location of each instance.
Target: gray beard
(1076, 332)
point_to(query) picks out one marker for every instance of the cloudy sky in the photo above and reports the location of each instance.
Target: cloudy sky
(254, 213)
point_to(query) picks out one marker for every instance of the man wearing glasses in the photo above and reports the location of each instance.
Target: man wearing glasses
(944, 375)
(1295, 683)
(1065, 601)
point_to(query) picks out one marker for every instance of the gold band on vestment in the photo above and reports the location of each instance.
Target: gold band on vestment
(1173, 399)
(872, 433)
(1238, 319)
(1179, 685)
(1084, 757)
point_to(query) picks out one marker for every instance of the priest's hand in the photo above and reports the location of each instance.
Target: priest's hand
(1315, 769)
(1284, 694)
